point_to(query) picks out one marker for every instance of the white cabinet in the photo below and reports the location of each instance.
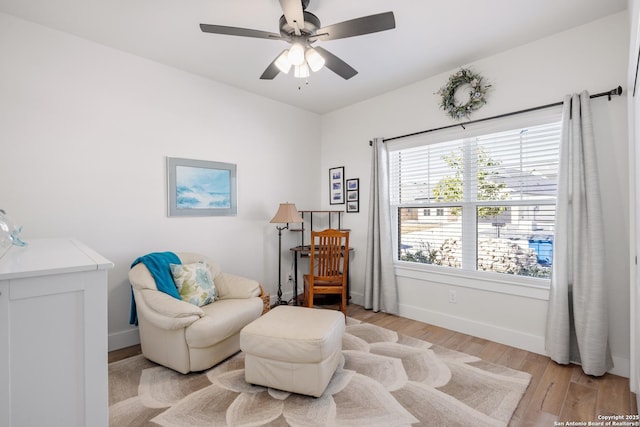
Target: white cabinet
(53, 335)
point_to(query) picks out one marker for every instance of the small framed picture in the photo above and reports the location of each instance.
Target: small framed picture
(336, 185)
(353, 195)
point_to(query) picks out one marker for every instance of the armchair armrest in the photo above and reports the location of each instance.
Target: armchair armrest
(166, 311)
(232, 286)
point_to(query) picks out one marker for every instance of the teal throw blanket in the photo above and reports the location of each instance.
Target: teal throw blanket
(158, 265)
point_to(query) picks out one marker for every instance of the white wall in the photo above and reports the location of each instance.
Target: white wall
(84, 132)
(591, 57)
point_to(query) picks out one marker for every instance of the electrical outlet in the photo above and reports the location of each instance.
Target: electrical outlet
(290, 277)
(453, 298)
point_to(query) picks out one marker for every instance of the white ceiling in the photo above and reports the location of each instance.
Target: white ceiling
(430, 37)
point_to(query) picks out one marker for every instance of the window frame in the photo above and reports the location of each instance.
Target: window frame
(533, 287)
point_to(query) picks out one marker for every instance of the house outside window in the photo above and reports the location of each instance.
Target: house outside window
(494, 198)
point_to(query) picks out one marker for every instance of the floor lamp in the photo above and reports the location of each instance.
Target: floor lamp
(287, 213)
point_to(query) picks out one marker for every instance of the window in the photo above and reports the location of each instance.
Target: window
(493, 195)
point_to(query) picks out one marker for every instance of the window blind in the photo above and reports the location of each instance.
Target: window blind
(485, 202)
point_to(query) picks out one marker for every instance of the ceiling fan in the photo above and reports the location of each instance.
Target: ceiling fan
(301, 29)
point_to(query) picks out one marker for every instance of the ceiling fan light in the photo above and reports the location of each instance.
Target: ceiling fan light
(314, 59)
(301, 71)
(283, 63)
(296, 54)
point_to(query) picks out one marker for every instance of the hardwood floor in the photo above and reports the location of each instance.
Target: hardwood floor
(557, 393)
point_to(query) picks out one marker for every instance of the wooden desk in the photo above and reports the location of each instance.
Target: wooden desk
(305, 251)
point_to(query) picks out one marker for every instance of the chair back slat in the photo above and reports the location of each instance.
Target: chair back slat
(328, 258)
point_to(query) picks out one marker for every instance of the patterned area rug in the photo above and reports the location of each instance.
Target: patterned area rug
(385, 379)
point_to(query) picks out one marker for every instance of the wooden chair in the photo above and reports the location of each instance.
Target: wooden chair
(328, 265)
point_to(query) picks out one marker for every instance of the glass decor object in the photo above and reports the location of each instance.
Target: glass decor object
(9, 233)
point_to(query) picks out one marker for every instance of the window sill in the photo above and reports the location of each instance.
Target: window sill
(528, 287)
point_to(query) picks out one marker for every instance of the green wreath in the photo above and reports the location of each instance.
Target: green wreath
(477, 93)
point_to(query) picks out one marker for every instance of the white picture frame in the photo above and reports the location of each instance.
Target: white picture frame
(201, 188)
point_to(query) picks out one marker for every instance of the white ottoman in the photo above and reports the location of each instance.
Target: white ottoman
(295, 349)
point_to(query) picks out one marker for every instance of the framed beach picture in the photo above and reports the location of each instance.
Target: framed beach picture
(201, 188)
(336, 185)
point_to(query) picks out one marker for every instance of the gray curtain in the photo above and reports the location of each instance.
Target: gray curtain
(380, 287)
(577, 321)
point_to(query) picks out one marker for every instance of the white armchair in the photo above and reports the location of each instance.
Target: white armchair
(185, 337)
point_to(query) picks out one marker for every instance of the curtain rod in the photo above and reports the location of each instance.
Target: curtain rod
(609, 94)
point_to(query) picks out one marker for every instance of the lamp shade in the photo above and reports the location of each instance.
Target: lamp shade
(314, 59)
(283, 62)
(296, 54)
(301, 71)
(287, 213)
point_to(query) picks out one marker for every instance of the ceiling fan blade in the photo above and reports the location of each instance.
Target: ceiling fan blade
(236, 31)
(272, 70)
(292, 10)
(336, 64)
(357, 27)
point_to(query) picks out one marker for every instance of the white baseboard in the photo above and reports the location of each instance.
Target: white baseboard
(357, 299)
(510, 337)
(621, 366)
(124, 339)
